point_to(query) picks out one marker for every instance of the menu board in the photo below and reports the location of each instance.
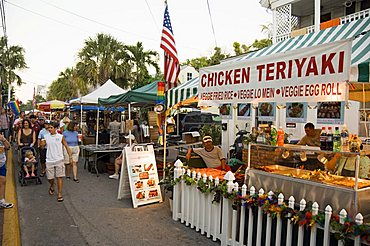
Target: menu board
(143, 176)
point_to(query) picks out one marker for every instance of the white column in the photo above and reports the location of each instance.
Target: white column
(317, 15)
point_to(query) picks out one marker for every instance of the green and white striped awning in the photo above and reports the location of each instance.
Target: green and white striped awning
(182, 92)
(358, 30)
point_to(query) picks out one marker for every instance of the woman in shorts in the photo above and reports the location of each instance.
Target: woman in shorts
(4, 144)
(55, 159)
(71, 137)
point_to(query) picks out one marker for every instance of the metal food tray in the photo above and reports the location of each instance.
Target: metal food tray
(338, 197)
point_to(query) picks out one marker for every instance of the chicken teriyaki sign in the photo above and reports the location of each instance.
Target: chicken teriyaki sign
(317, 73)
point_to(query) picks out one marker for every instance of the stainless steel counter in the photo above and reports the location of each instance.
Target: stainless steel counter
(337, 197)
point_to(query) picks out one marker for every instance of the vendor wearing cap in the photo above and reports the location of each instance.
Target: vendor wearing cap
(212, 155)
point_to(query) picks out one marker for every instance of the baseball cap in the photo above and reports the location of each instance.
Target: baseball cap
(41, 118)
(207, 139)
(130, 136)
(47, 122)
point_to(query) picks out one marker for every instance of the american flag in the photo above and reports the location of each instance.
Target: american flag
(171, 62)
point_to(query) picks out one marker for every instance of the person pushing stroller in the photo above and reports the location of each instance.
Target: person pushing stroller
(30, 161)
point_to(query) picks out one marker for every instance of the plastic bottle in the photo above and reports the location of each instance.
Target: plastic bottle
(323, 137)
(344, 139)
(329, 139)
(273, 136)
(280, 137)
(336, 140)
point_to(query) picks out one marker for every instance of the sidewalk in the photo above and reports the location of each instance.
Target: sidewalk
(91, 215)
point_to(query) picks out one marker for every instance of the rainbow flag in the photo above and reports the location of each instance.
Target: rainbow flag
(14, 105)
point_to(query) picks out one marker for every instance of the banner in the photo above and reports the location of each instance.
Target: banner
(312, 74)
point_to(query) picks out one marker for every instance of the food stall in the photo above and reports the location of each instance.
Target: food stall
(311, 85)
(299, 171)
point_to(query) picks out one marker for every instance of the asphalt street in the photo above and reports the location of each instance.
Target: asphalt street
(92, 215)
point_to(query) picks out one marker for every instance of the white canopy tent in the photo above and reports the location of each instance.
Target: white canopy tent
(108, 89)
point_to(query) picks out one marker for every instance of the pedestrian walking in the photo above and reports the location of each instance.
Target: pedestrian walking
(4, 144)
(4, 123)
(42, 147)
(71, 137)
(114, 128)
(55, 160)
(11, 118)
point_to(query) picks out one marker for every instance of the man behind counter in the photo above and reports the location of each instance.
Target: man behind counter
(212, 155)
(312, 137)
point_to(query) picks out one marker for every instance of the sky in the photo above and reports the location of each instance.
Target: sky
(53, 31)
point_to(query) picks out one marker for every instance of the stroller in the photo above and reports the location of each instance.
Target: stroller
(22, 173)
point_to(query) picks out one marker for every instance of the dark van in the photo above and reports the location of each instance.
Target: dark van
(194, 121)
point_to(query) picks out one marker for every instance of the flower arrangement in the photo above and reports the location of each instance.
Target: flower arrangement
(269, 205)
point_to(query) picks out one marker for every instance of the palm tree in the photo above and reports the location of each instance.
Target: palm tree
(140, 60)
(101, 58)
(67, 86)
(11, 58)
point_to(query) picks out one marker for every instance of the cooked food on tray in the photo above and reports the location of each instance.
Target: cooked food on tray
(144, 175)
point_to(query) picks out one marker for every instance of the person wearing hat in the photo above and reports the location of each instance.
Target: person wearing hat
(41, 144)
(212, 155)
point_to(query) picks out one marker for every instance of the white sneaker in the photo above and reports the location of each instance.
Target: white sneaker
(6, 205)
(114, 176)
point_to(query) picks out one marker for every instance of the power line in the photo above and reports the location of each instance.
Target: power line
(96, 22)
(44, 16)
(210, 17)
(151, 13)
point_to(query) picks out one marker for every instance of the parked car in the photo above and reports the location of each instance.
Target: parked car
(194, 121)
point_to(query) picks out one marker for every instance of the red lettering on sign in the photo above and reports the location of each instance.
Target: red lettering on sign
(327, 63)
(260, 68)
(341, 62)
(280, 70)
(270, 71)
(221, 80)
(312, 67)
(237, 76)
(300, 65)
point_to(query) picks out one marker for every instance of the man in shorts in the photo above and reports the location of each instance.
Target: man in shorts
(4, 144)
(55, 143)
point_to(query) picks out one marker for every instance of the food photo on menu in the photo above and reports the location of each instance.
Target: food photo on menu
(329, 110)
(140, 195)
(153, 193)
(139, 185)
(136, 169)
(295, 110)
(266, 109)
(244, 109)
(143, 175)
(151, 182)
(148, 167)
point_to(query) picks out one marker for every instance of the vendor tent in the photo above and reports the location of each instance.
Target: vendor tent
(49, 105)
(182, 92)
(95, 108)
(141, 96)
(109, 88)
(357, 30)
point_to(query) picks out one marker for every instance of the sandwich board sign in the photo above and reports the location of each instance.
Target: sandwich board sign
(142, 175)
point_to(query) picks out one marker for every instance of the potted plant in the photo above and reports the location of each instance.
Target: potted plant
(167, 182)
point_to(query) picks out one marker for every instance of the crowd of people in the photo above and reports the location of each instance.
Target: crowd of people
(48, 145)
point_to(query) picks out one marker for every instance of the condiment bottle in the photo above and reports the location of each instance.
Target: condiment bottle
(280, 137)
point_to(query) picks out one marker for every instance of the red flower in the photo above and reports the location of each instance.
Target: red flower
(308, 215)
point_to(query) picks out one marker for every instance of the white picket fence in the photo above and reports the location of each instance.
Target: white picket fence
(219, 221)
